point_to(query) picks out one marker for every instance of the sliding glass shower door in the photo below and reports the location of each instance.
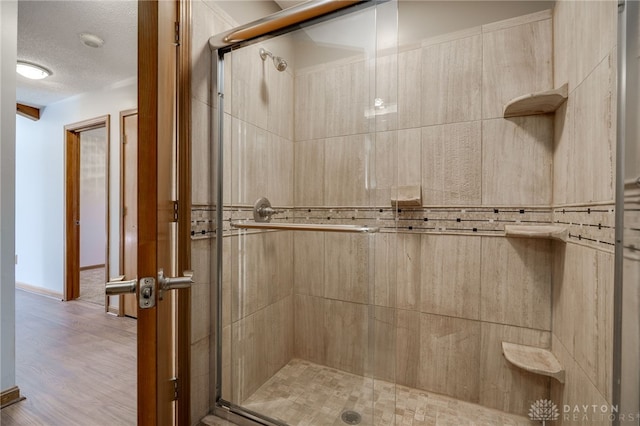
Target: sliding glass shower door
(307, 315)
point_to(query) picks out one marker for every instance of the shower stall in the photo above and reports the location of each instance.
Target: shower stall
(399, 230)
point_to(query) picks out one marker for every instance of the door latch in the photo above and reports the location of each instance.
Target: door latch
(147, 298)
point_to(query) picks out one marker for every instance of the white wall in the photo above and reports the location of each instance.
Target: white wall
(93, 197)
(40, 183)
(8, 44)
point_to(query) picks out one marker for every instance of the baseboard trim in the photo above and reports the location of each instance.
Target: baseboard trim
(39, 290)
(85, 268)
(10, 396)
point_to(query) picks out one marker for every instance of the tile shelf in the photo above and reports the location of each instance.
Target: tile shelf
(534, 360)
(536, 103)
(552, 232)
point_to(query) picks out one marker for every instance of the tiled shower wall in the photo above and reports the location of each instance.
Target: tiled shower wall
(584, 176)
(258, 309)
(443, 300)
(442, 293)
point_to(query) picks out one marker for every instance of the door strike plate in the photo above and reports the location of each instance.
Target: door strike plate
(147, 293)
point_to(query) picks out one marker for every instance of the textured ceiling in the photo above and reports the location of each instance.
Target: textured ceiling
(48, 36)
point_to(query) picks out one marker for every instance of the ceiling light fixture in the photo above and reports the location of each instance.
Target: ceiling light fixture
(32, 71)
(91, 40)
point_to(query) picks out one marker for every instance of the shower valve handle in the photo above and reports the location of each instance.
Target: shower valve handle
(262, 210)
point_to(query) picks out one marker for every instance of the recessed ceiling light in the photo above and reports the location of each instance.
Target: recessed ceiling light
(32, 71)
(91, 40)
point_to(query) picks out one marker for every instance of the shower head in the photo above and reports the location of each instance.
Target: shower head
(278, 62)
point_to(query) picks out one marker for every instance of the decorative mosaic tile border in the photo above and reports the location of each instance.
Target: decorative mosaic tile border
(590, 225)
(593, 226)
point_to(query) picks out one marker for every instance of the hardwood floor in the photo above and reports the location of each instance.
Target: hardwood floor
(75, 364)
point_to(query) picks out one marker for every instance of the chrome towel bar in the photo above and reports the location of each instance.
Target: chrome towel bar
(305, 227)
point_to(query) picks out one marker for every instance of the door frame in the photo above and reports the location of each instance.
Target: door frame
(123, 115)
(163, 37)
(72, 202)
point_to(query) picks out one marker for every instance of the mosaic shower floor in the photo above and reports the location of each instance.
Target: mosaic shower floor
(303, 393)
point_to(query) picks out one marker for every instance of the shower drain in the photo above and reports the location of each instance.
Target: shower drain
(351, 417)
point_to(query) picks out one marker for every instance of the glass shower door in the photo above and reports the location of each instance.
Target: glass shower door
(307, 316)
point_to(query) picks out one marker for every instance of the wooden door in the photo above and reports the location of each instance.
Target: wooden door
(129, 262)
(156, 177)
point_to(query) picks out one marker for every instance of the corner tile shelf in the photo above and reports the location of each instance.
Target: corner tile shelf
(534, 360)
(536, 103)
(552, 232)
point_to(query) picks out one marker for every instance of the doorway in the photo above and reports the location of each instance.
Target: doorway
(87, 209)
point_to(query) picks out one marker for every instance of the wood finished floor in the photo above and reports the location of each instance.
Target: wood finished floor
(75, 364)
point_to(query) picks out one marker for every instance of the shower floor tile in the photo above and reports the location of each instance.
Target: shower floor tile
(304, 393)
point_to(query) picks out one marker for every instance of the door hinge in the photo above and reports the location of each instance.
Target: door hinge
(177, 34)
(124, 139)
(176, 387)
(124, 211)
(176, 208)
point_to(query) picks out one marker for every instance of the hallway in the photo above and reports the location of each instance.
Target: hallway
(75, 364)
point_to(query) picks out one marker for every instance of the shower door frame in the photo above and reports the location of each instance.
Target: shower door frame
(280, 23)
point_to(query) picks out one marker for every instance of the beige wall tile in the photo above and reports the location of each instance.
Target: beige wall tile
(226, 280)
(386, 81)
(227, 391)
(594, 134)
(578, 391)
(385, 269)
(201, 155)
(309, 340)
(527, 67)
(278, 274)
(516, 282)
(347, 98)
(249, 93)
(409, 89)
(279, 89)
(563, 40)
(451, 164)
(205, 22)
(564, 169)
(407, 348)
(280, 334)
(346, 330)
(384, 344)
(605, 309)
(227, 166)
(199, 379)
(262, 166)
(567, 270)
(409, 260)
(308, 263)
(347, 161)
(347, 267)
(450, 356)
(397, 163)
(452, 81)
(516, 161)
(595, 35)
(517, 21)
(450, 276)
(504, 386)
(249, 363)
(309, 173)
(310, 106)
(583, 311)
(201, 309)
(386, 167)
(247, 260)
